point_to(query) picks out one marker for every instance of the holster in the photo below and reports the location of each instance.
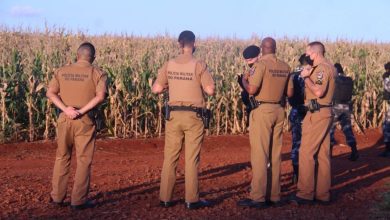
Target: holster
(314, 106)
(253, 103)
(95, 115)
(167, 111)
(203, 113)
(97, 118)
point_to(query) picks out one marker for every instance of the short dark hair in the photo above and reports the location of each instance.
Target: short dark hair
(87, 46)
(304, 60)
(387, 66)
(186, 37)
(339, 68)
(318, 45)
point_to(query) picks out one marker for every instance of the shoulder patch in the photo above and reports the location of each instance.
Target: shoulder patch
(320, 77)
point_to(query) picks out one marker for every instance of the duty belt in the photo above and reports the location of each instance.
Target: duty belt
(317, 108)
(203, 113)
(255, 103)
(325, 106)
(264, 102)
(185, 108)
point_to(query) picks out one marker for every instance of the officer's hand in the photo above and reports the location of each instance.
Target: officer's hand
(306, 71)
(245, 76)
(71, 112)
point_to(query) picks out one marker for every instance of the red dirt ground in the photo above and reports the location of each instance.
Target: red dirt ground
(125, 181)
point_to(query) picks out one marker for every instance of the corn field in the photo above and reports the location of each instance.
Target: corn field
(28, 60)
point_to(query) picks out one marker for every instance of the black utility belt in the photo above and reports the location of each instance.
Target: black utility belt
(314, 106)
(263, 102)
(203, 113)
(185, 108)
(255, 103)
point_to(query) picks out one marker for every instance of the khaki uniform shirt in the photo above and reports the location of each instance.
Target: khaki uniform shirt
(271, 76)
(78, 83)
(185, 77)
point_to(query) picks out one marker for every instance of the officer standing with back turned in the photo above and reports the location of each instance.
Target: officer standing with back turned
(268, 84)
(76, 90)
(186, 78)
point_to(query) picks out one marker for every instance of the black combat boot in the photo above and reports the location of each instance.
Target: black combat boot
(295, 174)
(386, 153)
(354, 153)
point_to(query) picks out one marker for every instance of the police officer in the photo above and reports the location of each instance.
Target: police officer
(319, 89)
(386, 123)
(342, 110)
(268, 83)
(76, 89)
(251, 56)
(297, 112)
(186, 78)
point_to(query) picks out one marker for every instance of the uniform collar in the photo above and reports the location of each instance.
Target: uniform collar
(83, 63)
(185, 55)
(183, 58)
(268, 56)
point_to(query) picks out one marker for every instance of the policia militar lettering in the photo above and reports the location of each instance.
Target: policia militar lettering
(76, 90)
(186, 79)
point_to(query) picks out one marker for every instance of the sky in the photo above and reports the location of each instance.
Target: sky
(356, 20)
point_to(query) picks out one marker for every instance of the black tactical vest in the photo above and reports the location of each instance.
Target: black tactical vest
(344, 89)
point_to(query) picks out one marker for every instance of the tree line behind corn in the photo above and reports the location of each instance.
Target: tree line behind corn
(29, 58)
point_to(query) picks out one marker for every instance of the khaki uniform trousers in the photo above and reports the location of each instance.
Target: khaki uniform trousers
(265, 137)
(315, 143)
(182, 126)
(79, 133)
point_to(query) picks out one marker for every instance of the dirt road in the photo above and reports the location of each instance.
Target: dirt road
(125, 181)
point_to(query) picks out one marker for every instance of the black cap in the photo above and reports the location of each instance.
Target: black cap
(251, 52)
(186, 36)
